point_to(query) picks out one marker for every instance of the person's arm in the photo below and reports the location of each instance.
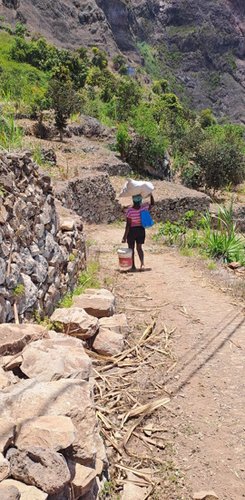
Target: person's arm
(128, 224)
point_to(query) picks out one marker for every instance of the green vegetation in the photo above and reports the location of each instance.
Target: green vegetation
(87, 279)
(216, 153)
(63, 99)
(19, 290)
(216, 238)
(150, 118)
(10, 134)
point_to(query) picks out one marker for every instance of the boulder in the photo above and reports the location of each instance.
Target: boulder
(40, 467)
(108, 343)
(9, 493)
(13, 338)
(48, 431)
(71, 398)
(4, 468)
(7, 428)
(53, 359)
(76, 322)
(25, 492)
(83, 480)
(117, 324)
(98, 303)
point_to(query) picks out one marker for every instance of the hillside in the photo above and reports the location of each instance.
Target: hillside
(198, 45)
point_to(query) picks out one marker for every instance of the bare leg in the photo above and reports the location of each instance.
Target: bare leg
(132, 245)
(141, 255)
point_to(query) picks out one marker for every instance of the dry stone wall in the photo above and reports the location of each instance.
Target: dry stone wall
(40, 252)
(90, 196)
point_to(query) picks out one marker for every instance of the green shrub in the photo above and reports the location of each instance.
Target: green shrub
(123, 140)
(99, 58)
(221, 163)
(206, 118)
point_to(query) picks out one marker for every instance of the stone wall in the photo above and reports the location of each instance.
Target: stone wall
(90, 196)
(40, 252)
(172, 201)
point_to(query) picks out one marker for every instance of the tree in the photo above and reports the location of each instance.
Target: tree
(160, 86)
(128, 96)
(99, 58)
(206, 118)
(63, 98)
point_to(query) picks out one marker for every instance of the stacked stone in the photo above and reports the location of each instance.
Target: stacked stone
(50, 447)
(91, 196)
(172, 201)
(40, 253)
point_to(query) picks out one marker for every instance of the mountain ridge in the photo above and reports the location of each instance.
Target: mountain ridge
(202, 44)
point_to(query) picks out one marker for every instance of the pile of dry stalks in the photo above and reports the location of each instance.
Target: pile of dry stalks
(125, 410)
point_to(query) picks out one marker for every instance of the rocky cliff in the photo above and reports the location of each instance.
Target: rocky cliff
(200, 45)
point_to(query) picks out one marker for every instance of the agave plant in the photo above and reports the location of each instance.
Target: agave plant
(224, 242)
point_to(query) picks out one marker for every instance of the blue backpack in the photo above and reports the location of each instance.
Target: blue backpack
(146, 219)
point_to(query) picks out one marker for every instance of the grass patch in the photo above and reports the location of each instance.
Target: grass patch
(21, 85)
(186, 252)
(87, 279)
(11, 135)
(212, 266)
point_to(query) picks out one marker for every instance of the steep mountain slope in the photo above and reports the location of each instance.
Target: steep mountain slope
(202, 44)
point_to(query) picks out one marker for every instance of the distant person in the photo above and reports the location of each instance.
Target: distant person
(134, 231)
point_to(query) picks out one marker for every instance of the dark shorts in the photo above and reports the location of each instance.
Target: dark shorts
(136, 235)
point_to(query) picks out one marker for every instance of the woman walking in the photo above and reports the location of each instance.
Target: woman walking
(134, 231)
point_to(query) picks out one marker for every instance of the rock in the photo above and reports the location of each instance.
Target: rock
(9, 493)
(4, 379)
(101, 457)
(40, 467)
(14, 337)
(4, 467)
(234, 265)
(29, 297)
(48, 431)
(205, 495)
(98, 303)
(67, 224)
(132, 491)
(3, 267)
(49, 156)
(87, 126)
(71, 398)
(3, 214)
(65, 494)
(83, 480)
(26, 492)
(76, 322)
(117, 324)
(53, 359)
(108, 343)
(10, 363)
(7, 427)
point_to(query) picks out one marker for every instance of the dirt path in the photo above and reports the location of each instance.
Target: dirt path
(206, 378)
